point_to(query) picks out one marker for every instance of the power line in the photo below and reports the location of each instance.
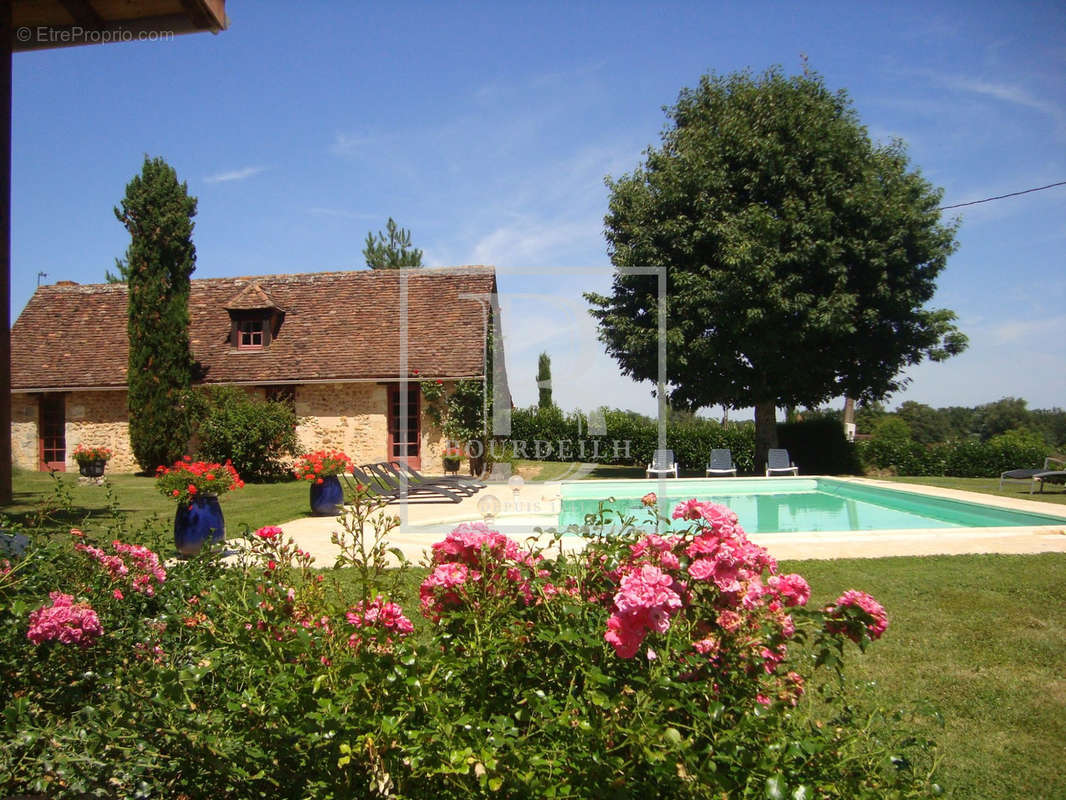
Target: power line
(1001, 196)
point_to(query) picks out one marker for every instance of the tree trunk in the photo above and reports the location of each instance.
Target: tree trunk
(765, 433)
(849, 418)
(849, 410)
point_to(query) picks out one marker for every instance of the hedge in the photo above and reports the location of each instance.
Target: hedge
(964, 458)
(818, 445)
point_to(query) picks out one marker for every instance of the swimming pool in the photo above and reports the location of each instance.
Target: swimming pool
(785, 505)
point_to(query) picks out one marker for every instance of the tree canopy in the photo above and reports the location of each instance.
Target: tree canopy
(927, 425)
(391, 248)
(157, 211)
(800, 255)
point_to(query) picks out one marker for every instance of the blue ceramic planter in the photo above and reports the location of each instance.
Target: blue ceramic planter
(92, 469)
(197, 523)
(327, 497)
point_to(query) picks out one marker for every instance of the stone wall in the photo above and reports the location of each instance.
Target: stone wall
(94, 419)
(24, 416)
(345, 416)
(352, 417)
(349, 417)
(100, 419)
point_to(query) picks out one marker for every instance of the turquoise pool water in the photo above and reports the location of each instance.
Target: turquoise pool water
(781, 505)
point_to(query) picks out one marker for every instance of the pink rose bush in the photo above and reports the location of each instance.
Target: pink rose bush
(379, 624)
(713, 601)
(64, 621)
(647, 599)
(292, 606)
(132, 565)
(723, 602)
(474, 560)
(720, 590)
(701, 607)
(857, 616)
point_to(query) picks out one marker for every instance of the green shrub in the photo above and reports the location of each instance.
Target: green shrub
(692, 442)
(966, 458)
(622, 672)
(256, 435)
(892, 430)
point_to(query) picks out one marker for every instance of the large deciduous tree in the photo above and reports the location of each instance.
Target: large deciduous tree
(391, 249)
(800, 255)
(157, 211)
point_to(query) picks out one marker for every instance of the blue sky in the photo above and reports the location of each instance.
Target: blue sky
(487, 130)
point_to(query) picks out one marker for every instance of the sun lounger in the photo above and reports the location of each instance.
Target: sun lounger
(1049, 476)
(721, 463)
(404, 487)
(401, 472)
(473, 483)
(663, 464)
(778, 463)
(381, 484)
(1029, 474)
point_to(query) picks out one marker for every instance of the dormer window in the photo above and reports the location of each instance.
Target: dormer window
(255, 319)
(250, 335)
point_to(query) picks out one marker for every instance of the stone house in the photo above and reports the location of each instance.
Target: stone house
(330, 343)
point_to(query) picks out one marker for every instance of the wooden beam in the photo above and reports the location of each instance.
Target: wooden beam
(6, 35)
(83, 13)
(197, 14)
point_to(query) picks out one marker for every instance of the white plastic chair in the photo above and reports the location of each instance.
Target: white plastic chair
(721, 463)
(663, 465)
(778, 463)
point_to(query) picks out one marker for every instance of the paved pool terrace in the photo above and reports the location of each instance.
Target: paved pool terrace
(518, 510)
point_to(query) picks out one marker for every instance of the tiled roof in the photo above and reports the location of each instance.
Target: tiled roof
(334, 326)
(251, 298)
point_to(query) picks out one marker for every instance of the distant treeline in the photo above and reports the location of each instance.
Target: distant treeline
(928, 425)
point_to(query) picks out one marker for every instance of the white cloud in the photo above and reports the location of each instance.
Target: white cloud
(234, 175)
(529, 241)
(1006, 93)
(1028, 331)
(347, 145)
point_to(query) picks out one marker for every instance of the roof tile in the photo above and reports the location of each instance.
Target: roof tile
(337, 326)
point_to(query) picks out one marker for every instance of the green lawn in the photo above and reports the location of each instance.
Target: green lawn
(37, 493)
(983, 638)
(1051, 494)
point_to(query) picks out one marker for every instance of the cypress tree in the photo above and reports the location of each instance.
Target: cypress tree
(157, 211)
(544, 381)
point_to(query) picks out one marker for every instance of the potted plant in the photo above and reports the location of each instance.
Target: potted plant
(321, 469)
(452, 459)
(196, 486)
(91, 460)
